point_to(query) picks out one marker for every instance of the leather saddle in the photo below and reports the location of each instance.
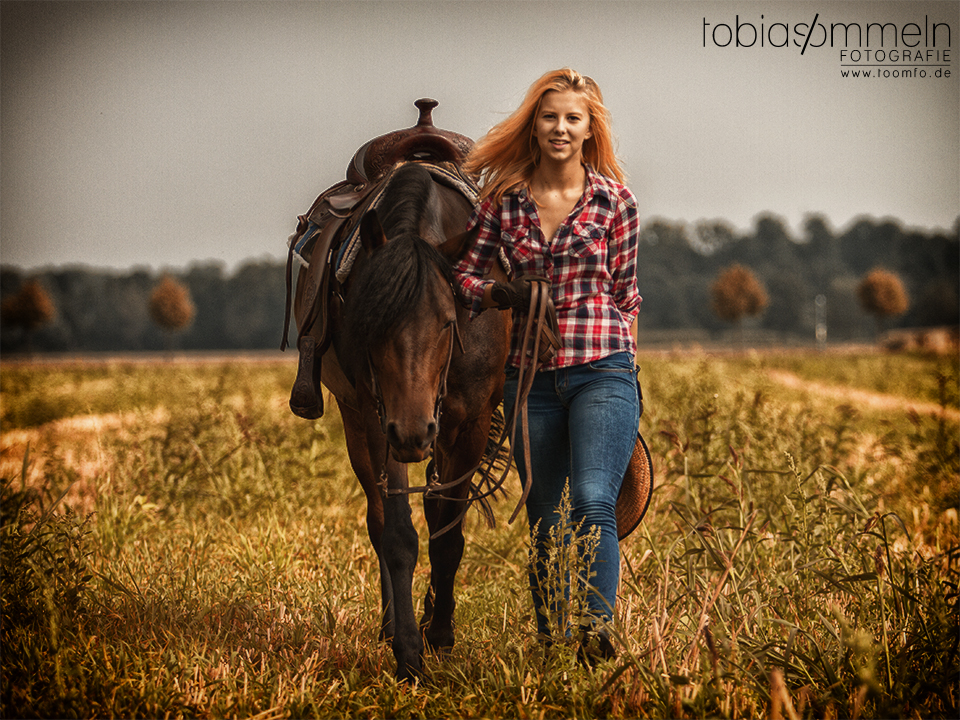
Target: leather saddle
(333, 218)
(423, 142)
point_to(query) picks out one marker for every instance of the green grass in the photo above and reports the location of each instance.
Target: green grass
(910, 376)
(202, 553)
(38, 394)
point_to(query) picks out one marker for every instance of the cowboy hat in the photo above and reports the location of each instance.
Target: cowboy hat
(636, 490)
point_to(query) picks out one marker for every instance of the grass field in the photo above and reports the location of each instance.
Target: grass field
(175, 543)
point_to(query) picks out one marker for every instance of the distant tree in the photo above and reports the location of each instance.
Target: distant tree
(253, 312)
(713, 236)
(868, 240)
(736, 294)
(28, 309)
(773, 245)
(207, 283)
(881, 294)
(820, 253)
(669, 245)
(791, 307)
(844, 318)
(170, 305)
(938, 304)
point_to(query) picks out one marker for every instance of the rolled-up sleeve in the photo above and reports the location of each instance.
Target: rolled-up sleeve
(478, 261)
(624, 238)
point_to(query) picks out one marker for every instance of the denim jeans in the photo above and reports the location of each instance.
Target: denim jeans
(583, 426)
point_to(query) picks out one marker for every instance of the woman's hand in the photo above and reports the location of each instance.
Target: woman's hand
(514, 294)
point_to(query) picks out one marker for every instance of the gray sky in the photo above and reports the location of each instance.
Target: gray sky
(167, 133)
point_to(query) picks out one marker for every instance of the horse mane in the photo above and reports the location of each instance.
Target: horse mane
(405, 200)
(390, 286)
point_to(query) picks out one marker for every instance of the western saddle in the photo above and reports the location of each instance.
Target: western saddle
(323, 235)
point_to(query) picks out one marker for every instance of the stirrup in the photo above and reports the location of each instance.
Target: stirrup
(306, 400)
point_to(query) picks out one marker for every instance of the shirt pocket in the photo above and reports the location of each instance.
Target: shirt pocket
(522, 251)
(588, 242)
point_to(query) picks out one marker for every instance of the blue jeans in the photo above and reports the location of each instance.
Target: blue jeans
(583, 426)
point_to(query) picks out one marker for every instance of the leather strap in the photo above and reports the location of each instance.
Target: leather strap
(539, 327)
(285, 338)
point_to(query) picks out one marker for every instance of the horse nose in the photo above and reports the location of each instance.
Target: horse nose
(414, 443)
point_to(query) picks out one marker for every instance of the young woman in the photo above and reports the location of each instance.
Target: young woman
(553, 199)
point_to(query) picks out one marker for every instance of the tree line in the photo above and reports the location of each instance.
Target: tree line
(679, 265)
(109, 311)
(679, 272)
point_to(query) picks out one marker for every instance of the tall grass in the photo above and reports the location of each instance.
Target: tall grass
(200, 552)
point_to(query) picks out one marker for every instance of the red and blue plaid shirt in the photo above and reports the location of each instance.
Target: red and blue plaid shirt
(591, 264)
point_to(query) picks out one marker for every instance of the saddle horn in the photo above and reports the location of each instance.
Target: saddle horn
(423, 141)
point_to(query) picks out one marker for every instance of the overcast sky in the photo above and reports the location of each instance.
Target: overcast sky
(162, 134)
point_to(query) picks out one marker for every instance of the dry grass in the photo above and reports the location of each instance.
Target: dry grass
(176, 543)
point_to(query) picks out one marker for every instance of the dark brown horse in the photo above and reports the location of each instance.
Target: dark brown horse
(413, 377)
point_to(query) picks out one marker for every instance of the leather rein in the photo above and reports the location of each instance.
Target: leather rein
(538, 345)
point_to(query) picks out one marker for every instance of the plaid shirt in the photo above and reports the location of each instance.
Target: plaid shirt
(591, 264)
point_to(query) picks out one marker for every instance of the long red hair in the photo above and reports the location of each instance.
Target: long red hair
(506, 157)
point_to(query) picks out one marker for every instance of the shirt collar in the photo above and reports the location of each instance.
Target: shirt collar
(596, 184)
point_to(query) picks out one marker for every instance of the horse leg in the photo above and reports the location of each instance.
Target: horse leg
(401, 548)
(363, 468)
(397, 545)
(446, 550)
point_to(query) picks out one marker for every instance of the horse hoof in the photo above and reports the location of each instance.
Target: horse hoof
(409, 670)
(440, 643)
(408, 675)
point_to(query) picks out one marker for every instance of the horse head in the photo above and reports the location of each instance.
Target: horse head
(403, 319)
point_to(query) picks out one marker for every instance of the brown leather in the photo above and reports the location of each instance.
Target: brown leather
(336, 211)
(316, 290)
(313, 295)
(548, 327)
(423, 142)
(530, 354)
(284, 339)
(635, 491)
(331, 211)
(344, 202)
(318, 213)
(532, 336)
(306, 397)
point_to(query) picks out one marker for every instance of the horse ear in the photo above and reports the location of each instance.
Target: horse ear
(454, 248)
(371, 232)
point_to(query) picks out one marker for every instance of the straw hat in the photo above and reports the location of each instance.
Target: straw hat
(636, 490)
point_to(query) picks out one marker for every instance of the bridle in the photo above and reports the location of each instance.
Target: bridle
(538, 345)
(433, 481)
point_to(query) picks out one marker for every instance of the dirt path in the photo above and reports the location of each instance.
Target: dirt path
(854, 396)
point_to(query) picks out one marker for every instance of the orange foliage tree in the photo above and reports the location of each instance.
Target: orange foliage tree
(170, 305)
(28, 309)
(736, 294)
(881, 294)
